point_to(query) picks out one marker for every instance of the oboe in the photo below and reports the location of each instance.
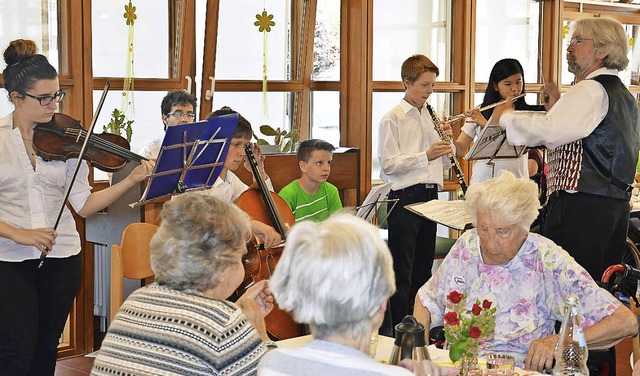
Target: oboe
(454, 162)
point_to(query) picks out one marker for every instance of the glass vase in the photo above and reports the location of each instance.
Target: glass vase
(469, 365)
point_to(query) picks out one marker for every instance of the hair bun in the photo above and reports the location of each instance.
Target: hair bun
(19, 49)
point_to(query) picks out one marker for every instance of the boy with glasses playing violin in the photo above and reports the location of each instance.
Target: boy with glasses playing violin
(178, 107)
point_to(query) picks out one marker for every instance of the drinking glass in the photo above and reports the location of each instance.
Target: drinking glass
(500, 365)
(374, 344)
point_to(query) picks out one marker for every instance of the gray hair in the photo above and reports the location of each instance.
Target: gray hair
(608, 37)
(334, 275)
(197, 239)
(514, 201)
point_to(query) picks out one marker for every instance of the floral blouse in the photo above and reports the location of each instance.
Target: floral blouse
(529, 291)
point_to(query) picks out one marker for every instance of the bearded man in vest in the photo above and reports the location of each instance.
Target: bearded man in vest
(592, 134)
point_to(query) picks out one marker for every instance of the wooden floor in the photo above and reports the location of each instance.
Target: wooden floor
(81, 365)
(75, 366)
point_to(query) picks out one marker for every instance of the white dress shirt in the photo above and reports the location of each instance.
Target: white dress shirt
(405, 136)
(232, 187)
(152, 149)
(573, 117)
(32, 199)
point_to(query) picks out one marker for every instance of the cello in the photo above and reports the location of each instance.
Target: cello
(259, 263)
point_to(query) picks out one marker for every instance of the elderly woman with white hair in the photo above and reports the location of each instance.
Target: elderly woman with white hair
(336, 276)
(183, 324)
(525, 275)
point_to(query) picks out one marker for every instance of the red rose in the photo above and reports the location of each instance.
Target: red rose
(451, 318)
(486, 304)
(476, 309)
(454, 297)
(474, 332)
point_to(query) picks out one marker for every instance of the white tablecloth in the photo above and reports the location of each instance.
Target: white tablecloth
(384, 347)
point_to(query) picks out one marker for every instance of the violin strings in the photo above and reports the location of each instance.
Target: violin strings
(106, 145)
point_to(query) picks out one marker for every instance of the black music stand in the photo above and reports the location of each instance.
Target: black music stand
(492, 144)
(191, 158)
(372, 202)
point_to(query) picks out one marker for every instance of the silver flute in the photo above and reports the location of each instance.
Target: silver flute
(453, 119)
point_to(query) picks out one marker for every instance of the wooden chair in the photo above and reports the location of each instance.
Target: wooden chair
(130, 259)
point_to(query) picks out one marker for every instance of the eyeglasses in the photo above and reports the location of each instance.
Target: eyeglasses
(575, 41)
(502, 233)
(46, 100)
(181, 115)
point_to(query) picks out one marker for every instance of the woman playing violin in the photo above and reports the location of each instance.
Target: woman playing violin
(36, 301)
(229, 187)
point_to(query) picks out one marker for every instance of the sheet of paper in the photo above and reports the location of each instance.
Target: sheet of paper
(373, 200)
(448, 213)
(492, 143)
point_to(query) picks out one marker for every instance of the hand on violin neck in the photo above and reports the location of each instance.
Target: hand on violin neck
(259, 157)
(142, 172)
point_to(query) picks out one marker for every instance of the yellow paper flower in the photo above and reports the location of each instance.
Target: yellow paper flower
(565, 31)
(264, 22)
(632, 42)
(130, 13)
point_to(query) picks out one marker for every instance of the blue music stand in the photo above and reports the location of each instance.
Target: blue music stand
(191, 158)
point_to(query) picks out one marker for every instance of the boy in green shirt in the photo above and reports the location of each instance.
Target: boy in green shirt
(311, 197)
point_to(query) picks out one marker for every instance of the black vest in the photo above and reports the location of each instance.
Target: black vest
(610, 152)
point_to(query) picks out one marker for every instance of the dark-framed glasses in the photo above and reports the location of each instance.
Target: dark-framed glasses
(46, 100)
(575, 40)
(181, 115)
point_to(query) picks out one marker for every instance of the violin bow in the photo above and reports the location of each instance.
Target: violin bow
(43, 256)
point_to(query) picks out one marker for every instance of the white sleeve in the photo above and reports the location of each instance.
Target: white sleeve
(576, 114)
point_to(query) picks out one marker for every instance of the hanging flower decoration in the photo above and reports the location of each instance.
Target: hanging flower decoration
(264, 22)
(565, 31)
(130, 13)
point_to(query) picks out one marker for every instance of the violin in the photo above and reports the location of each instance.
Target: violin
(61, 138)
(259, 263)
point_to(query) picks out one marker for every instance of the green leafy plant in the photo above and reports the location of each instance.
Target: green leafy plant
(118, 124)
(283, 139)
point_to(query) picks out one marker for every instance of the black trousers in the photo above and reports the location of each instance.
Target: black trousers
(412, 241)
(34, 309)
(592, 228)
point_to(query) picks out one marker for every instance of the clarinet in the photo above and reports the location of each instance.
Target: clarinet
(454, 162)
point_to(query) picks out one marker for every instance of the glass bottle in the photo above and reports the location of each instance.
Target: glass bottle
(571, 349)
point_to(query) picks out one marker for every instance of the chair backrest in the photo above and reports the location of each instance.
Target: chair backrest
(130, 259)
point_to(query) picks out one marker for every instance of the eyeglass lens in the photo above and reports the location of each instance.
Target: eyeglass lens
(46, 100)
(179, 114)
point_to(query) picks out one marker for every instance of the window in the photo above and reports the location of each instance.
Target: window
(507, 29)
(418, 26)
(110, 36)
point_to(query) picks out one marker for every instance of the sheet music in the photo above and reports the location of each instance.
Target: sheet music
(492, 143)
(367, 210)
(448, 213)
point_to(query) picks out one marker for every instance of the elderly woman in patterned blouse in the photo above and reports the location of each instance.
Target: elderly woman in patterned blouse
(525, 274)
(183, 324)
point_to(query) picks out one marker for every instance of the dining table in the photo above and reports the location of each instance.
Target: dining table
(384, 346)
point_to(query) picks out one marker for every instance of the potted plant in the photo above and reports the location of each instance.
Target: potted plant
(119, 124)
(282, 142)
